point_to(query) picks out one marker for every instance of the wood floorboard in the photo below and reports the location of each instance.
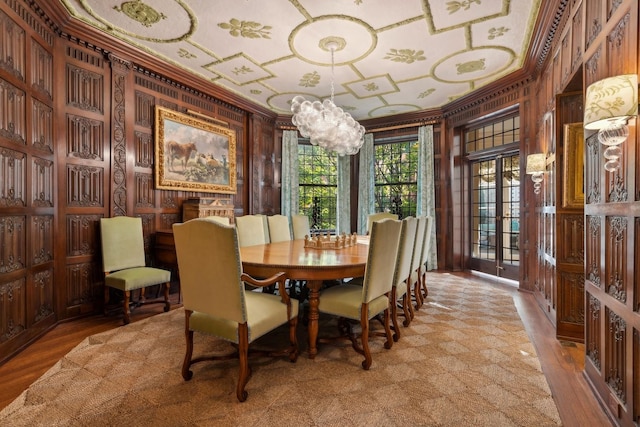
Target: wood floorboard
(562, 363)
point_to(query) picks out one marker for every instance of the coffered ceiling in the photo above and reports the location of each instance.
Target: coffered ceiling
(391, 57)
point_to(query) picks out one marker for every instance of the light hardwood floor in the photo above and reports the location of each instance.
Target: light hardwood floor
(561, 362)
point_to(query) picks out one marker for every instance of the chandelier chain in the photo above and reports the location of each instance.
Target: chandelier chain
(332, 51)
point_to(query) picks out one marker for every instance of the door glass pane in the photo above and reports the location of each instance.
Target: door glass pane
(484, 209)
(511, 210)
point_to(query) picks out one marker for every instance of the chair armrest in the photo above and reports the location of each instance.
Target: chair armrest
(261, 283)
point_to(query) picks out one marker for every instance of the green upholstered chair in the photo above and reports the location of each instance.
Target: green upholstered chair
(401, 272)
(300, 225)
(362, 303)
(124, 264)
(250, 230)
(424, 257)
(413, 281)
(279, 229)
(215, 300)
(221, 219)
(265, 227)
(378, 216)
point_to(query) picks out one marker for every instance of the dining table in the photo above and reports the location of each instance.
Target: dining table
(311, 265)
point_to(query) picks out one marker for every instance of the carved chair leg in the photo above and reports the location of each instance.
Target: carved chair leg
(142, 299)
(394, 315)
(186, 364)
(408, 301)
(387, 330)
(406, 307)
(418, 293)
(243, 350)
(125, 306)
(364, 322)
(167, 304)
(293, 339)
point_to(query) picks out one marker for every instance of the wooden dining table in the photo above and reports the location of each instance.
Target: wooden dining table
(307, 264)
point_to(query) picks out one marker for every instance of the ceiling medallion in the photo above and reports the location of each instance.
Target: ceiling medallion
(141, 12)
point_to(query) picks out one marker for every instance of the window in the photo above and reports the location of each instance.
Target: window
(502, 132)
(396, 177)
(318, 179)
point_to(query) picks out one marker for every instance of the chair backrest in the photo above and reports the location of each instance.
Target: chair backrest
(383, 246)
(265, 227)
(426, 247)
(301, 226)
(402, 267)
(250, 230)
(279, 230)
(122, 243)
(210, 269)
(220, 219)
(418, 246)
(379, 216)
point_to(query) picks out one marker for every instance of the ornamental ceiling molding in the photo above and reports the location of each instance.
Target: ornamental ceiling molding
(394, 60)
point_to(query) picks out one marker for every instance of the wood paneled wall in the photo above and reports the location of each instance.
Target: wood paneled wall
(586, 269)
(77, 145)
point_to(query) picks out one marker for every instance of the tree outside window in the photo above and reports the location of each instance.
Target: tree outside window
(396, 178)
(318, 180)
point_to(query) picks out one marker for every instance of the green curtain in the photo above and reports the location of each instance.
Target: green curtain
(344, 195)
(290, 180)
(426, 188)
(366, 183)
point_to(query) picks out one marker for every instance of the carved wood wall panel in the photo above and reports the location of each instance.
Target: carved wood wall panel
(84, 286)
(85, 138)
(41, 298)
(593, 21)
(13, 319)
(13, 114)
(13, 172)
(13, 51)
(42, 239)
(571, 239)
(85, 89)
(144, 149)
(576, 39)
(82, 235)
(593, 250)
(593, 344)
(42, 182)
(616, 355)
(13, 241)
(41, 70)
(41, 126)
(85, 186)
(144, 191)
(145, 104)
(616, 257)
(621, 45)
(571, 300)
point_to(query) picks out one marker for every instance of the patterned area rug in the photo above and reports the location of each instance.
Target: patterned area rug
(465, 360)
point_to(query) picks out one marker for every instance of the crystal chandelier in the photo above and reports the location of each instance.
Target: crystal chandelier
(326, 124)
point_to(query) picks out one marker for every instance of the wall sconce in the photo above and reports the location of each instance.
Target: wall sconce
(536, 167)
(609, 103)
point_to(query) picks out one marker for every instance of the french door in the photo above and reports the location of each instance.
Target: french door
(495, 216)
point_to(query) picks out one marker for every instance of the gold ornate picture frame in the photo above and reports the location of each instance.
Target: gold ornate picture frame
(573, 166)
(192, 154)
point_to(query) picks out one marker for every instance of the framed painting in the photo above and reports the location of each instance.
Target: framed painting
(192, 154)
(573, 166)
